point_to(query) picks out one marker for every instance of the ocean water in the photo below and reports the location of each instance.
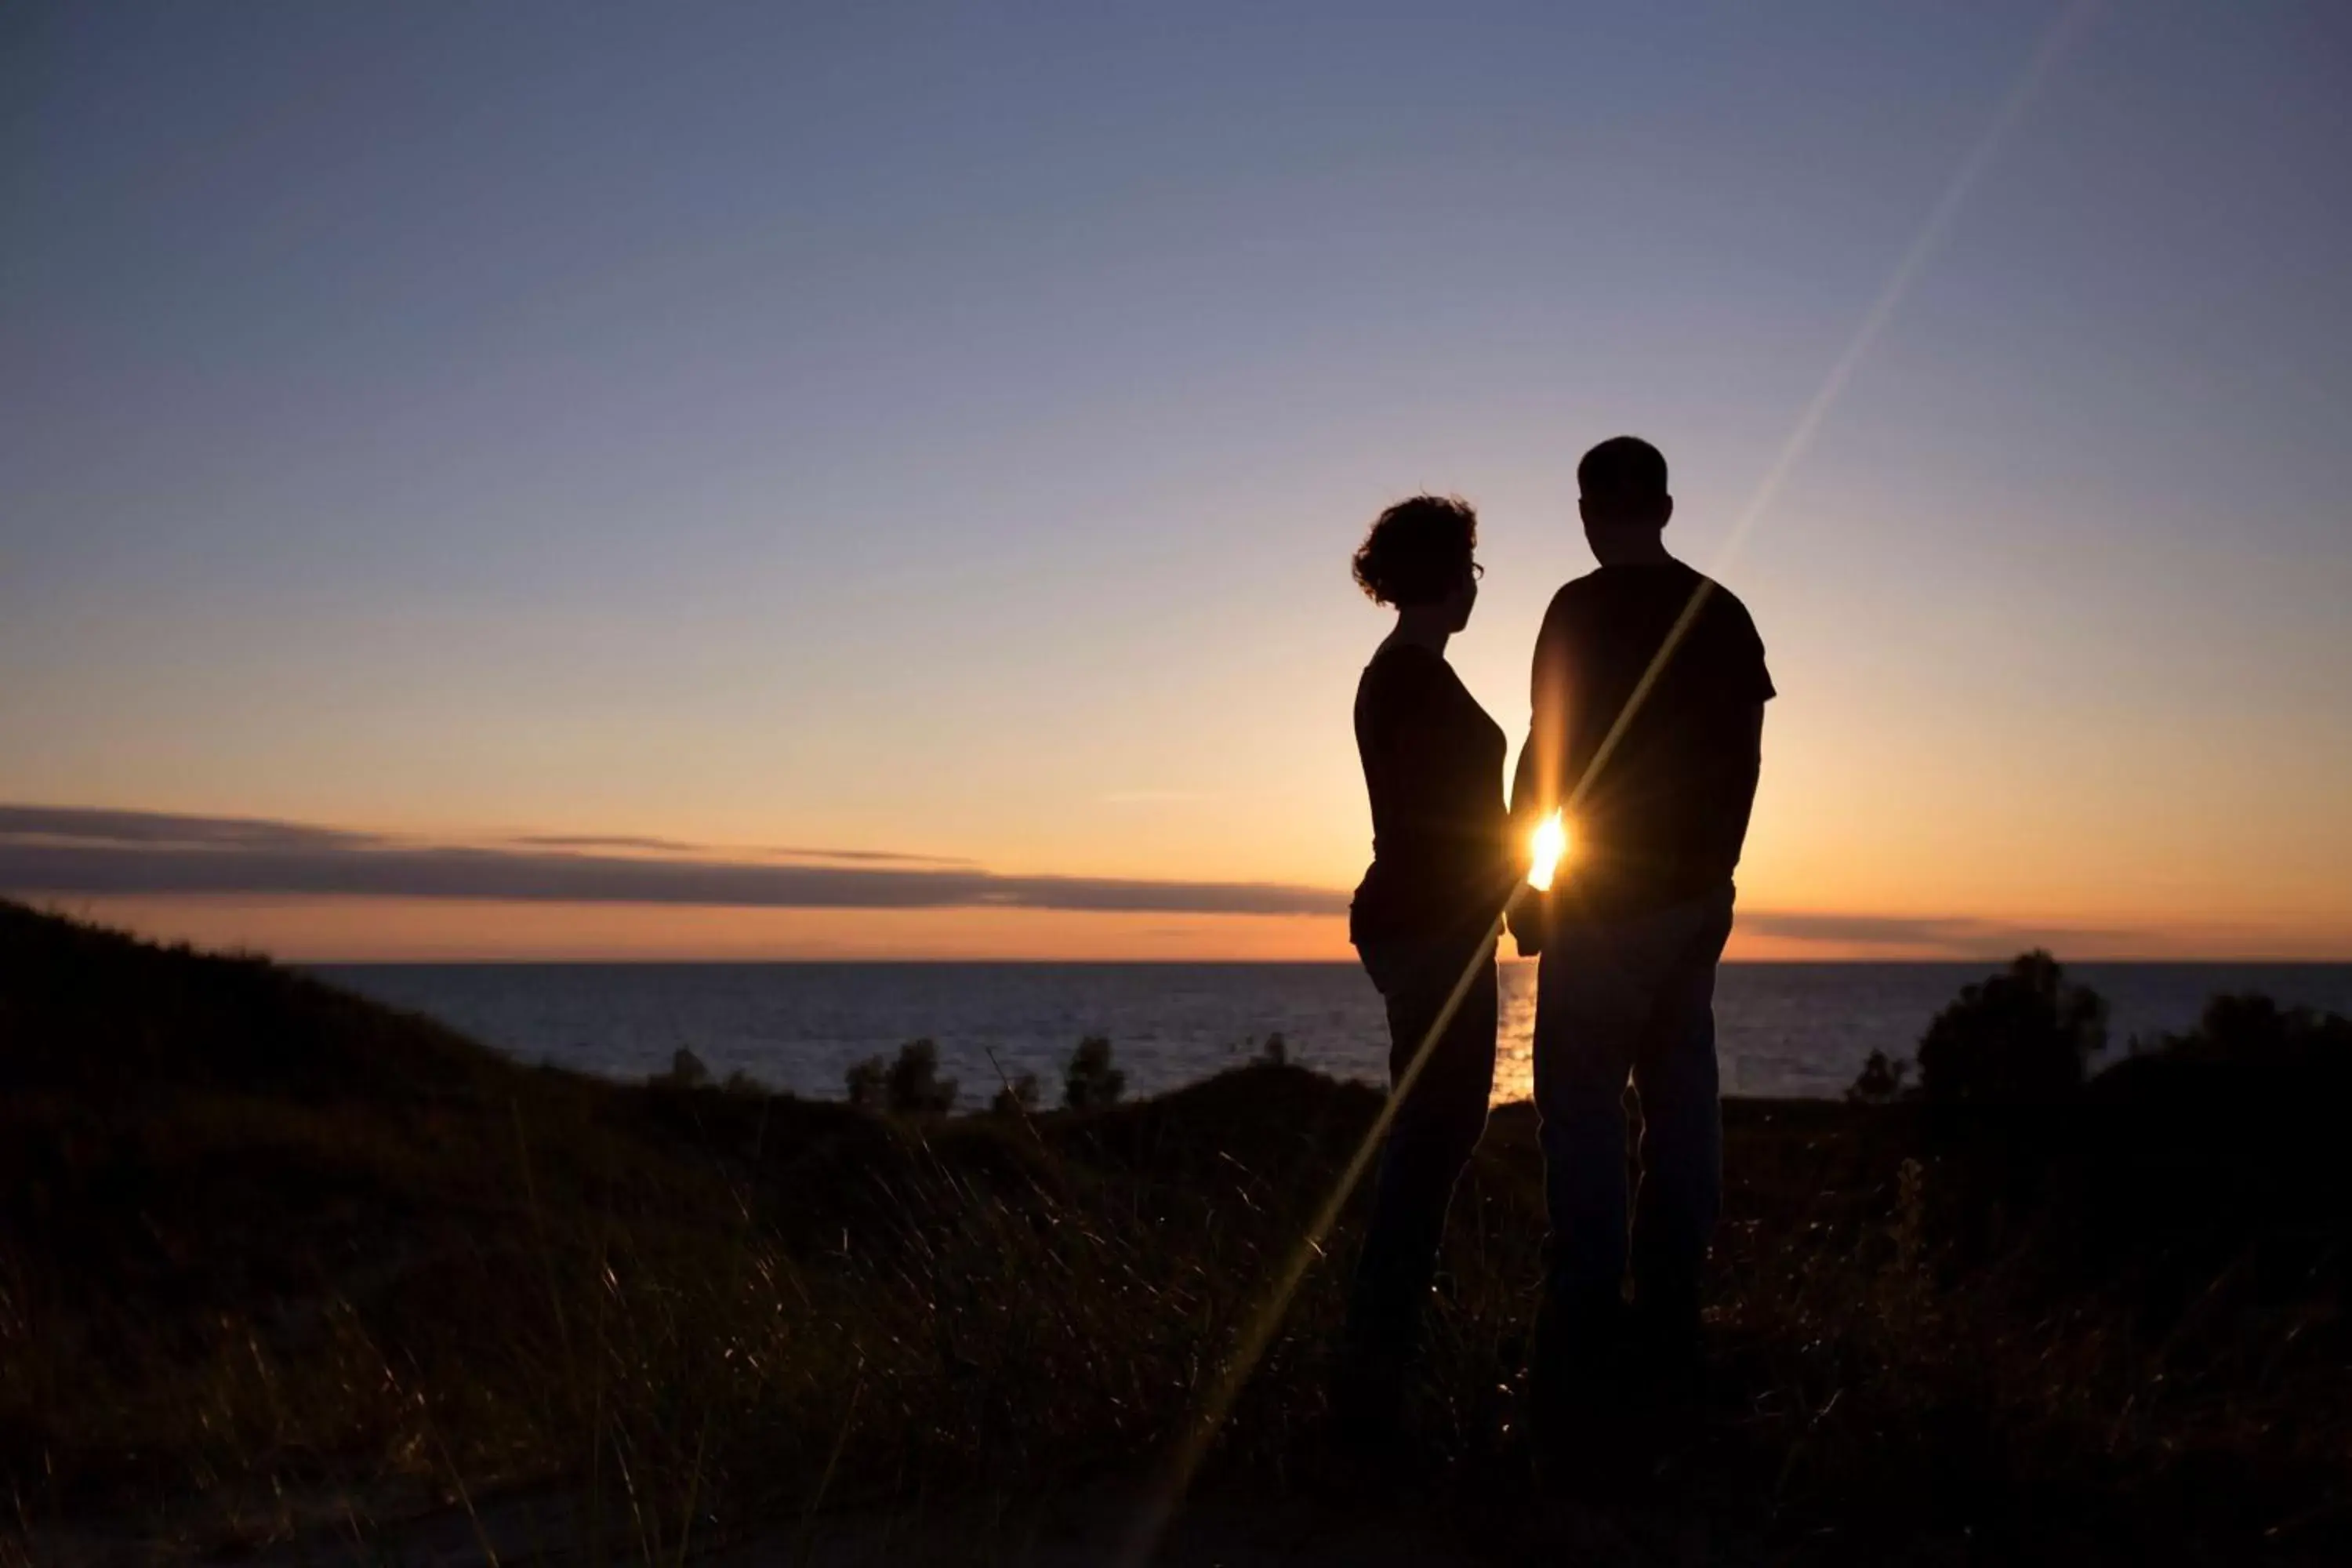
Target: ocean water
(1784, 1029)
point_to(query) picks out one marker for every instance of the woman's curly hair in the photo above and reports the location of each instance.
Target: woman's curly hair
(1418, 550)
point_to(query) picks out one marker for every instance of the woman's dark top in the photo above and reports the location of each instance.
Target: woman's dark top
(1433, 766)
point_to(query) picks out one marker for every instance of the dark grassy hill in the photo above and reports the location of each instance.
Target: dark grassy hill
(271, 1255)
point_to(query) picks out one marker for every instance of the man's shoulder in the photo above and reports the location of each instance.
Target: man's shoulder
(1583, 587)
(1643, 585)
(1619, 601)
(1575, 595)
(1734, 645)
(1729, 604)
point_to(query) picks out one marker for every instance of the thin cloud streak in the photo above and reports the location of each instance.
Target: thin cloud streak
(85, 824)
(73, 851)
(89, 825)
(1956, 936)
(61, 850)
(594, 841)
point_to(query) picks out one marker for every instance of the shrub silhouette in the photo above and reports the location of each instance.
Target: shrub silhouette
(868, 1084)
(916, 1087)
(1091, 1082)
(686, 1070)
(1880, 1081)
(1018, 1098)
(1275, 1052)
(2023, 1037)
(2254, 1031)
(908, 1086)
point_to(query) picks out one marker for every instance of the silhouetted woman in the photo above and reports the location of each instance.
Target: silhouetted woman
(1422, 919)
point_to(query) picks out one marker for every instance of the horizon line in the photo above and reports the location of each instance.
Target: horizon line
(1515, 960)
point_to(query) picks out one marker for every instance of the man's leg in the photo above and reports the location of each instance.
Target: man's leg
(1588, 1015)
(1436, 1129)
(1675, 1075)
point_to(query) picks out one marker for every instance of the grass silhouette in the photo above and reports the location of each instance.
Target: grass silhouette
(274, 1259)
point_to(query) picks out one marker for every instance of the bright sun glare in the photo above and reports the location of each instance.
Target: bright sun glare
(1549, 847)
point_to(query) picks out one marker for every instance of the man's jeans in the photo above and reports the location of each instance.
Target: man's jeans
(1619, 999)
(1437, 1128)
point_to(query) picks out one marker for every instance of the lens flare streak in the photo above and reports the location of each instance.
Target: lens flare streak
(1161, 1503)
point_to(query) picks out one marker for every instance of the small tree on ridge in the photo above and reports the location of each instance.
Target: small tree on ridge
(1091, 1082)
(2023, 1037)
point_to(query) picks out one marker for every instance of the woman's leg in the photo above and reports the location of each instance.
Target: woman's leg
(1436, 1129)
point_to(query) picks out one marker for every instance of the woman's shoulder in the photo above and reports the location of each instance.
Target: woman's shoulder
(1407, 662)
(1410, 678)
(1403, 670)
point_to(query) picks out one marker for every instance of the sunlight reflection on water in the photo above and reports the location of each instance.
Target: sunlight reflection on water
(1515, 1063)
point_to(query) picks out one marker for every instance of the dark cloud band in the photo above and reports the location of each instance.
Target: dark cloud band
(64, 850)
(71, 850)
(1952, 936)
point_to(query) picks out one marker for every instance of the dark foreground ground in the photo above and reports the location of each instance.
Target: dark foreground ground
(286, 1275)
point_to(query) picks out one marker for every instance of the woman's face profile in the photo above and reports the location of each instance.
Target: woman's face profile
(1464, 599)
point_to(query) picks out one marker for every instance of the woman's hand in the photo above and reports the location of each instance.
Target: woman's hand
(1529, 916)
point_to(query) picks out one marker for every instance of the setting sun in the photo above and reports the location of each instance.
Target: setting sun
(1549, 847)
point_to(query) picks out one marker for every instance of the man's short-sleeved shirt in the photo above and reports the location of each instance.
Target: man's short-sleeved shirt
(1663, 818)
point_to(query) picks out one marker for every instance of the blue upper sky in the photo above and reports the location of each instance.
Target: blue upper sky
(942, 429)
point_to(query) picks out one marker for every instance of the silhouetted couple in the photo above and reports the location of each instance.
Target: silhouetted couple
(1648, 700)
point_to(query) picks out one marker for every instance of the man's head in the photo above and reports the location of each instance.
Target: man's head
(1622, 486)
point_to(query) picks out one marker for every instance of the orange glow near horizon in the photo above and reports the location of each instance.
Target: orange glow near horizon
(319, 929)
(426, 931)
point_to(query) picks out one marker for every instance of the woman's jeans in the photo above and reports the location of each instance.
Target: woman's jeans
(1437, 1128)
(1628, 999)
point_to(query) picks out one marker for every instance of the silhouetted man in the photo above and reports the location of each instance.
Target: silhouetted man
(1649, 693)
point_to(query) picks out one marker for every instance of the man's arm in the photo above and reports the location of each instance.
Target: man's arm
(1746, 687)
(1743, 770)
(1525, 793)
(1535, 786)
(1536, 789)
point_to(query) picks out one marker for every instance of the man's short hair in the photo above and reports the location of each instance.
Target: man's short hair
(1624, 467)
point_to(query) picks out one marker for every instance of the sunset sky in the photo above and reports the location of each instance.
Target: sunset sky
(735, 481)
